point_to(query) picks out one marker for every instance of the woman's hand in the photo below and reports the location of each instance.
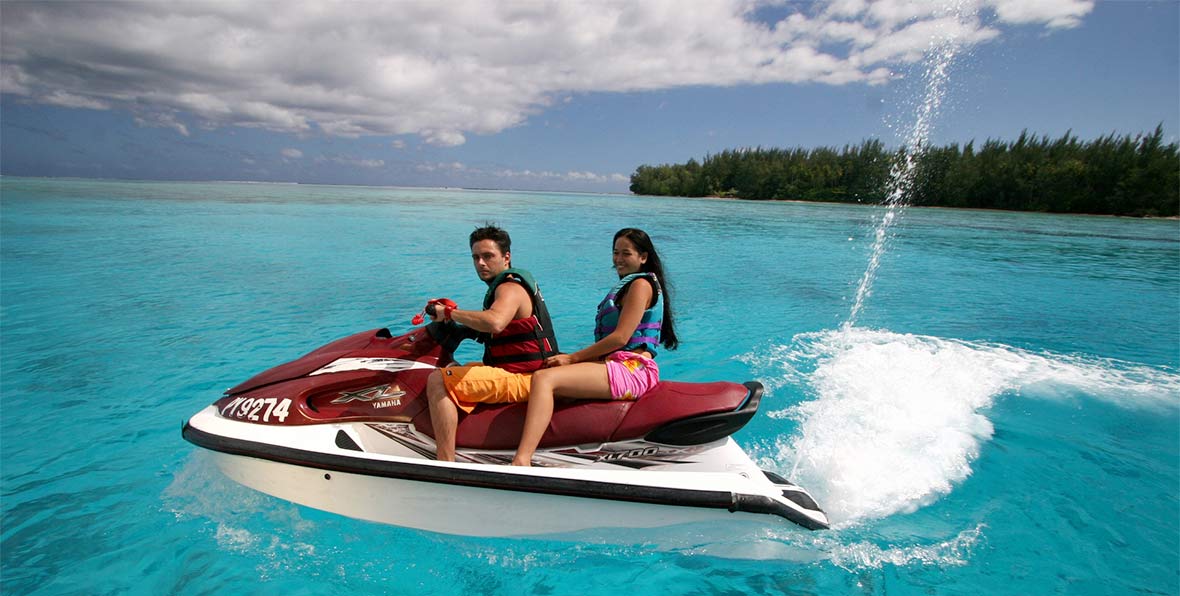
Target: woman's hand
(559, 360)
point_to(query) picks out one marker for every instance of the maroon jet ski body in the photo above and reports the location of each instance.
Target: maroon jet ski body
(346, 428)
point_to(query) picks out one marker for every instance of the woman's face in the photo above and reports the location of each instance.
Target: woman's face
(627, 257)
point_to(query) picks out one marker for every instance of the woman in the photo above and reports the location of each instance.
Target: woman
(632, 320)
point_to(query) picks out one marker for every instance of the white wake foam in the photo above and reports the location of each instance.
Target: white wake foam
(866, 555)
(896, 420)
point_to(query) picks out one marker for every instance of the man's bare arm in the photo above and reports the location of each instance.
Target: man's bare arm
(511, 298)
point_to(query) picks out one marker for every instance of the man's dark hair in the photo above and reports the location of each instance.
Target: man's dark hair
(493, 233)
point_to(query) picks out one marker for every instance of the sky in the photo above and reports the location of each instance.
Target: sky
(561, 95)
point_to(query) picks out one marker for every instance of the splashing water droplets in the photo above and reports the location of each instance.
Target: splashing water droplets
(898, 419)
(939, 57)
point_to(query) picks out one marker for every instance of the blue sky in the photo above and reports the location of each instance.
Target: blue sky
(549, 96)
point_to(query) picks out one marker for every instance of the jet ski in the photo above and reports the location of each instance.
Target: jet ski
(346, 429)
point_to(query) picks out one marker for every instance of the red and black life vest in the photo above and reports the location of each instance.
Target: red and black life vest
(525, 343)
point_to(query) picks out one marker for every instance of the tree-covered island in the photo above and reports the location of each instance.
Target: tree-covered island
(1111, 175)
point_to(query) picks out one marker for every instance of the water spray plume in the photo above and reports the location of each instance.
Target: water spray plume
(939, 57)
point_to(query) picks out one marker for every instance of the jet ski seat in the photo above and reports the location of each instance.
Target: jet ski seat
(669, 405)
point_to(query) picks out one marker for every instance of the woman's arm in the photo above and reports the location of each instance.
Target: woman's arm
(635, 301)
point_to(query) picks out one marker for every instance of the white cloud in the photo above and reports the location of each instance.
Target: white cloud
(443, 138)
(1057, 14)
(910, 42)
(447, 70)
(161, 120)
(453, 166)
(291, 153)
(352, 162)
(571, 176)
(69, 100)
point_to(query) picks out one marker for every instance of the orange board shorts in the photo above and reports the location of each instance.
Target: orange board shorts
(477, 384)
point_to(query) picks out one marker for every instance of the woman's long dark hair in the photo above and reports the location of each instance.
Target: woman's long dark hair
(643, 243)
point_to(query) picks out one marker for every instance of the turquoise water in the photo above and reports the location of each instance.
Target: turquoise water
(1003, 418)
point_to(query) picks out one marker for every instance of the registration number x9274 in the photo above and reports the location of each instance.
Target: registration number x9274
(257, 409)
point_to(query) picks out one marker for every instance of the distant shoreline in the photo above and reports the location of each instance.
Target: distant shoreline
(622, 193)
(579, 192)
(908, 206)
(1129, 175)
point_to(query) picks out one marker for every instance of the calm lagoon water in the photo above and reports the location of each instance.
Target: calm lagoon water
(1004, 417)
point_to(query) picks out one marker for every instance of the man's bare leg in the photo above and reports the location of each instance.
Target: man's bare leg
(444, 416)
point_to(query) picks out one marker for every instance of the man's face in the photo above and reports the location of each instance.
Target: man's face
(488, 260)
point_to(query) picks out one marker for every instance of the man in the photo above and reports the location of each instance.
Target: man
(516, 332)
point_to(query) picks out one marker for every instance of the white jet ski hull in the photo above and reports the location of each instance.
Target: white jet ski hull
(386, 482)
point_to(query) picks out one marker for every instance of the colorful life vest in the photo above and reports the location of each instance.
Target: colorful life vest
(647, 333)
(525, 343)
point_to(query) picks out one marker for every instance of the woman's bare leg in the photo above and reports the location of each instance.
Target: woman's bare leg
(585, 380)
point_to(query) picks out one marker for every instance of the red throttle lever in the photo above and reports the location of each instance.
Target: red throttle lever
(431, 309)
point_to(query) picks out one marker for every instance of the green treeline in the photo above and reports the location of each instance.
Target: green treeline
(1137, 176)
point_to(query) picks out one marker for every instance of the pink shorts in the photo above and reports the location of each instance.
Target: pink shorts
(630, 375)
